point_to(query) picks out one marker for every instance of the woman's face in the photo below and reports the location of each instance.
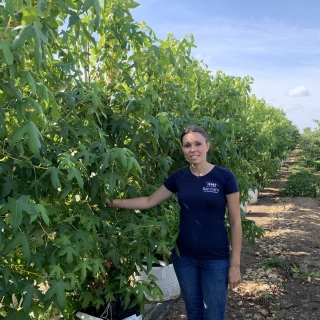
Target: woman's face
(195, 147)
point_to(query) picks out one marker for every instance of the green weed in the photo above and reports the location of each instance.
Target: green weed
(283, 266)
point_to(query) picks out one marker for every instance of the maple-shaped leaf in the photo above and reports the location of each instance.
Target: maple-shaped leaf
(63, 240)
(83, 266)
(6, 187)
(58, 290)
(30, 291)
(87, 298)
(14, 314)
(83, 236)
(54, 176)
(73, 280)
(44, 213)
(87, 155)
(55, 271)
(28, 129)
(70, 251)
(19, 238)
(75, 173)
(16, 207)
(114, 256)
(98, 264)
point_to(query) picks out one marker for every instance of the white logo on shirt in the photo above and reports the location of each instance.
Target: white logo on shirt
(211, 187)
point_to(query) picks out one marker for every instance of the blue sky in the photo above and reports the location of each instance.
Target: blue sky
(277, 42)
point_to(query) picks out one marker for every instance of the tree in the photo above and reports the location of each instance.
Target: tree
(68, 141)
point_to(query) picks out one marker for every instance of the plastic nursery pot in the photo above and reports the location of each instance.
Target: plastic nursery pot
(253, 194)
(113, 310)
(167, 280)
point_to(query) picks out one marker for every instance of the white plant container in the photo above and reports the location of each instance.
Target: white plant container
(85, 316)
(244, 207)
(167, 280)
(253, 194)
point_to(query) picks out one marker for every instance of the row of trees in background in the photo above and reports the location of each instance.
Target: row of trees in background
(304, 179)
(91, 106)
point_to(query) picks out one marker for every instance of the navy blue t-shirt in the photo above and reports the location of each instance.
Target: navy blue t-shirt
(203, 206)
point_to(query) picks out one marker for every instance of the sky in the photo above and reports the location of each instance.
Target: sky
(276, 42)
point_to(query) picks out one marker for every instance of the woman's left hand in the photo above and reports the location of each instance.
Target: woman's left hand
(234, 276)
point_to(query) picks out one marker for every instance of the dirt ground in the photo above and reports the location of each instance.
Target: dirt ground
(292, 239)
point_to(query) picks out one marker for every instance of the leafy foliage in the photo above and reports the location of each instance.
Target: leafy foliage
(304, 183)
(310, 148)
(91, 106)
(305, 180)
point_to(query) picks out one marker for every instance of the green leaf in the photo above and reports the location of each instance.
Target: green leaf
(55, 271)
(3, 128)
(54, 176)
(112, 180)
(30, 15)
(83, 266)
(131, 5)
(63, 240)
(123, 159)
(136, 164)
(29, 293)
(43, 212)
(34, 143)
(98, 265)
(31, 81)
(87, 4)
(11, 90)
(17, 207)
(70, 251)
(7, 53)
(157, 293)
(19, 238)
(54, 110)
(73, 279)
(19, 133)
(75, 173)
(97, 12)
(6, 187)
(106, 161)
(66, 191)
(114, 256)
(87, 298)
(74, 19)
(9, 6)
(29, 129)
(31, 102)
(83, 236)
(43, 92)
(25, 33)
(57, 289)
(14, 314)
(172, 58)
(41, 4)
(37, 51)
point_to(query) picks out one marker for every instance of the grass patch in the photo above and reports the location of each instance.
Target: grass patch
(283, 266)
(265, 299)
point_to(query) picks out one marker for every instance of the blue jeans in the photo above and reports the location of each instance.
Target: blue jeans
(204, 286)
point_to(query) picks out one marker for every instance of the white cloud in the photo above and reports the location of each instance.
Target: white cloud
(298, 92)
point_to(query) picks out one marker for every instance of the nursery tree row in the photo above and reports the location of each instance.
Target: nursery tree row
(92, 104)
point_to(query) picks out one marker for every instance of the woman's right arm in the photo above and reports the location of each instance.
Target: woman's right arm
(141, 203)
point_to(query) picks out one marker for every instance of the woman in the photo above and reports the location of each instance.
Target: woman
(205, 266)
